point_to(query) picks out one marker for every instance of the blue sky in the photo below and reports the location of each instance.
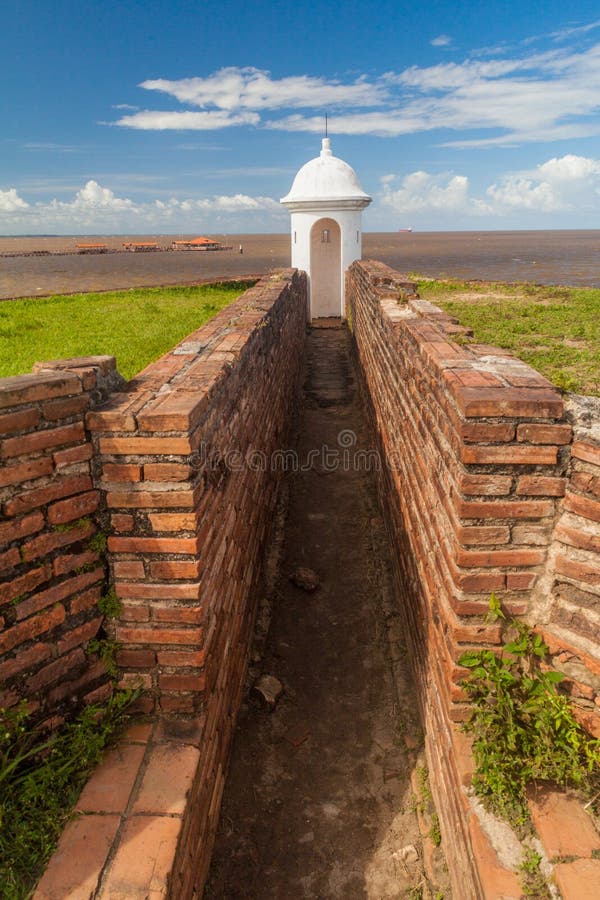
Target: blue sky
(156, 117)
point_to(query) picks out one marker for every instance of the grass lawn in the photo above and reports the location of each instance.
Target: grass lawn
(137, 326)
(554, 329)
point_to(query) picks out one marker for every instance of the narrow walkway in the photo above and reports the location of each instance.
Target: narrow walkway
(318, 801)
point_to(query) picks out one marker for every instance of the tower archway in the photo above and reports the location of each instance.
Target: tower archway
(325, 269)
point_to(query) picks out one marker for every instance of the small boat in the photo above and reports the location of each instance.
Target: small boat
(404, 230)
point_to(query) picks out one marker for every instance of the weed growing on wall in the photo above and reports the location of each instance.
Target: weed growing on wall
(523, 728)
(40, 781)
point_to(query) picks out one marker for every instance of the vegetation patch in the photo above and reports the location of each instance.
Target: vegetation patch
(41, 778)
(554, 329)
(137, 326)
(523, 728)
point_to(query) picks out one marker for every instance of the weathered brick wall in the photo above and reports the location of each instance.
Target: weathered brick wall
(51, 572)
(477, 451)
(184, 456)
(567, 601)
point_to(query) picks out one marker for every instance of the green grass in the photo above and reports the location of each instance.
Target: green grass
(554, 329)
(137, 326)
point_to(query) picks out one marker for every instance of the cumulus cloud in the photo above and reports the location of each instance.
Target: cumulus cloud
(521, 96)
(562, 184)
(421, 192)
(95, 208)
(11, 202)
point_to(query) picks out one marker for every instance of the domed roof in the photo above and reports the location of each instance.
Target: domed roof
(326, 181)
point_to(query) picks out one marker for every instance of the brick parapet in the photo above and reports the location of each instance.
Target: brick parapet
(476, 450)
(185, 472)
(52, 571)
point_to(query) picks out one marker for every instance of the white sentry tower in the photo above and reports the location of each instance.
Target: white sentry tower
(326, 202)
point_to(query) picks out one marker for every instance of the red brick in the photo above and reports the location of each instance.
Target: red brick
(42, 440)
(71, 561)
(74, 508)
(129, 569)
(136, 659)
(172, 521)
(483, 534)
(576, 537)
(181, 658)
(21, 389)
(9, 560)
(122, 522)
(587, 452)
(64, 408)
(181, 636)
(49, 541)
(166, 472)
(24, 660)
(121, 472)
(541, 486)
(143, 446)
(57, 593)
(85, 600)
(492, 558)
(536, 535)
(520, 581)
(483, 583)
(128, 590)
(522, 509)
(485, 485)
(134, 612)
(510, 454)
(578, 880)
(55, 671)
(562, 824)
(31, 628)
(579, 571)
(168, 569)
(26, 471)
(534, 402)
(585, 482)
(583, 506)
(182, 682)
(152, 545)
(80, 635)
(60, 487)
(24, 584)
(72, 455)
(178, 615)
(19, 420)
(149, 499)
(544, 434)
(14, 531)
(479, 432)
(176, 703)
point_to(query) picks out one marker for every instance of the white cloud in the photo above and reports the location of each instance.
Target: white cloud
(11, 202)
(521, 96)
(234, 88)
(95, 209)
(421, 192)
(442, 40)
(147, 120)
(567, 184)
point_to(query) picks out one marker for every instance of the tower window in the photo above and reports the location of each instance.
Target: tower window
(357, 234)
(325, 236)
(294, 237)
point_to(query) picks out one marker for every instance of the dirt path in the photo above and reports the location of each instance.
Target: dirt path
(318, 802)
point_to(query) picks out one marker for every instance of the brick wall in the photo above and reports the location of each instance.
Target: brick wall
(51, 572)
(477, 446)
(567, 601)
(183, 458)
